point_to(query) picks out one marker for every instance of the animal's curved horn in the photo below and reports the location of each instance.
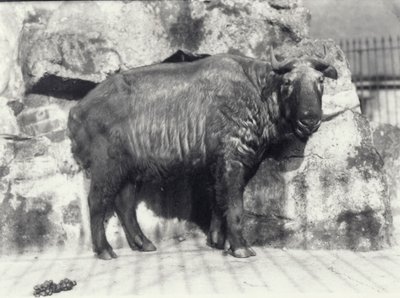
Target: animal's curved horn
(324, 66)
(280, 66)
(320, 63)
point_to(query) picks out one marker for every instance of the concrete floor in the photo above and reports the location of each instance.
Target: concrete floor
(190, 267)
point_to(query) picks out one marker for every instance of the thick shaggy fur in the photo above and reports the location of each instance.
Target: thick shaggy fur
(178, 113)
(219, 113)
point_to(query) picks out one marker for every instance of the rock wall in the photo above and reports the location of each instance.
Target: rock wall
(328, 193)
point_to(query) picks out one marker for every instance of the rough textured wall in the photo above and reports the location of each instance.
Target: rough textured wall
(330, 193)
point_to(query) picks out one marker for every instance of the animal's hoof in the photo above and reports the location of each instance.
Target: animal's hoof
(243, 252)
(107, 255)
(216, 240)
(133, 246)
(144, 244)
(148, 247)
(112, 254)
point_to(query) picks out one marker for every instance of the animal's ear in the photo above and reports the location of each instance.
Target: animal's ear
(330, 72)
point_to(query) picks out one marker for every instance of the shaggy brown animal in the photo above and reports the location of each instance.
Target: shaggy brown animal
(219, 114)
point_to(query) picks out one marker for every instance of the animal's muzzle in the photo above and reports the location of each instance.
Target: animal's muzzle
(305, 127)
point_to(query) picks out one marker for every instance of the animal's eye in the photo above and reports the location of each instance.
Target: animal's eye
(287, 81)
(321, 79)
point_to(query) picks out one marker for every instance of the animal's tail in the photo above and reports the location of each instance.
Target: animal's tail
(80, 139)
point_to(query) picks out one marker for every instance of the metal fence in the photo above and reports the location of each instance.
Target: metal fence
(375, 66)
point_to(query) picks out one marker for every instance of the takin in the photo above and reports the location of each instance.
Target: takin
(217, 113)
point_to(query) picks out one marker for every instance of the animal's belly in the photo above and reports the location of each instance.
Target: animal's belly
(168, 145)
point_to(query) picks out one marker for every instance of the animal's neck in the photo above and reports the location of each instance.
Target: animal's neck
(276, 126)
(267, 85)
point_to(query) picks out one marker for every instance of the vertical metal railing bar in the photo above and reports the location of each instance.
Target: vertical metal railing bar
(397, 91)
(391, 72)
(369, 76)
(354, 51)
(347, 47)
(393, 76)
(351, 50)
(376, 77)
(361, 75)
(384, 79)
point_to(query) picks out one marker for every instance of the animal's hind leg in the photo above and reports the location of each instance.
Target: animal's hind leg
(97, 207)
(107, 176)
(125, 206)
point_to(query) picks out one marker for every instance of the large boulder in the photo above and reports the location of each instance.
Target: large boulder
(329, 192)
(386, 139)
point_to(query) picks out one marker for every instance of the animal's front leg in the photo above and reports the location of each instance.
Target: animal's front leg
(217, 233)
(231, 180)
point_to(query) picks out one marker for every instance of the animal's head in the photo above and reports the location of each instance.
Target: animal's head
(300, 91)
